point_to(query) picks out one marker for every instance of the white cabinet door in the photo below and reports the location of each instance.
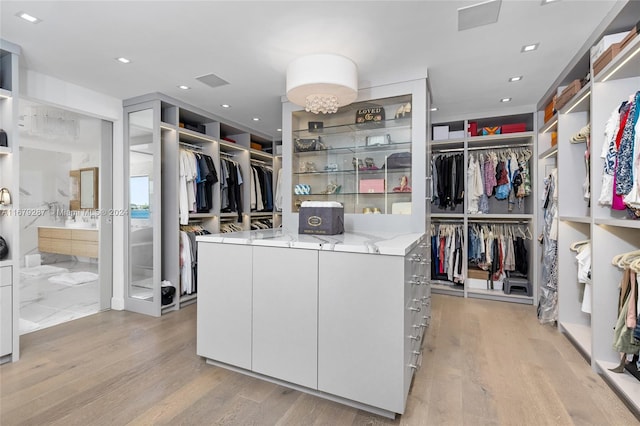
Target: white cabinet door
(361, 330)
(6, 323)
(285, 314)
(224, 303)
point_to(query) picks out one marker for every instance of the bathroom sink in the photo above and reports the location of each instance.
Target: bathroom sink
(79, 225)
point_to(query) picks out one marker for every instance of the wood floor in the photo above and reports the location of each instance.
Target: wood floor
(486, 363)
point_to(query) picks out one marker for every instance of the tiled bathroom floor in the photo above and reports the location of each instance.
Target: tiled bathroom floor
(44, 304)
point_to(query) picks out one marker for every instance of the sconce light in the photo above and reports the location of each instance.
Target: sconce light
(322, 83)
(5, 197)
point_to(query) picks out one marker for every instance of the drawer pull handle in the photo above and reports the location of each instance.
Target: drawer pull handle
(415, 367)
(416, 353)
(416, 338)
(414, 309)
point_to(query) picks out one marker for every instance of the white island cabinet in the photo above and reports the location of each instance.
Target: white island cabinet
(341, 317)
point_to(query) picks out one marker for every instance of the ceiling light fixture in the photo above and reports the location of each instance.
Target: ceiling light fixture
(256, 118)
(322, 83)
(512, 79)
(183, 87)
(505, 100)
(123, 60)
(529, 47)
(278, 130)
(225, 106)
(28, 18)
(548, 1)
(433, 109)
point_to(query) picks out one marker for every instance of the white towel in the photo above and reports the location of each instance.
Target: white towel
(37, 271)
(74, 278)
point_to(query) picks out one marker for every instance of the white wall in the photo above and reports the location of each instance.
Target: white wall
(49, 90)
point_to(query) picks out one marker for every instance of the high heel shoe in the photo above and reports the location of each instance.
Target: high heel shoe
(332, 188)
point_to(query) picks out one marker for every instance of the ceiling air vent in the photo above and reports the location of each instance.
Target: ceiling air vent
(478, 15)
(212, 80)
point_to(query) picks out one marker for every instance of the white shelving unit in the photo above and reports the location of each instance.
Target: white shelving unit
(610, 231)
(182, 126)
(498, 209)
(9, 221)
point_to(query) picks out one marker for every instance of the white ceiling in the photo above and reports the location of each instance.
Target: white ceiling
(250, 44)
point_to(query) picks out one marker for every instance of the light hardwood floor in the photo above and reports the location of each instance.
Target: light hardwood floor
(486, 363)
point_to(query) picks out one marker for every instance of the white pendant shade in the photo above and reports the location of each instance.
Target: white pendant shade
(322, 83)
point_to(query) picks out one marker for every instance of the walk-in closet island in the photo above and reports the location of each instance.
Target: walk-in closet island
(342, 316)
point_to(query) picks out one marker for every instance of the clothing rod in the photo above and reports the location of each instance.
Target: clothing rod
(490, 221)
(226, 154)
(260, 162)
(439, 151)
(199, 148)
(442, 220)
(478, 148)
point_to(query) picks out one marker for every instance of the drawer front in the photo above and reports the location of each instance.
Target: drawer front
(54, 245)
(84, 248)
(6, 323)
(84, 235)
(5, 276)
(64, 234)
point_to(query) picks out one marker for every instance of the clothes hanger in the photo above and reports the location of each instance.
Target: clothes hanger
(629, 257)
(635, 265)
(575, 246)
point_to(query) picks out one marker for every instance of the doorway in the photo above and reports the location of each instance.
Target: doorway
(65, 241)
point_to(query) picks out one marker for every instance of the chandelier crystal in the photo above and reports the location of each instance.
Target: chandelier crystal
(321, 104)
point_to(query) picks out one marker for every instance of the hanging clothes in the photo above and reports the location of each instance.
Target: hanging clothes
(621, 159)
(197, 175)
(447, 242)
(231, 187)
(448, 180)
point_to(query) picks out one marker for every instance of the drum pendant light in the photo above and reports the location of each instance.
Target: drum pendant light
(322, 83)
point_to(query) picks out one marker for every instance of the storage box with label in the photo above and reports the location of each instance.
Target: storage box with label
(550, 109)
(568, 93)
(371, 186)
(514, 128)
(493, 130)
(440, 133)
(456, 134)
(604, 59)
(629, 37)
(605, 42)
(321, 218)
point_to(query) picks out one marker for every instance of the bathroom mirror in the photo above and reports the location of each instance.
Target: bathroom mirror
(89, 188)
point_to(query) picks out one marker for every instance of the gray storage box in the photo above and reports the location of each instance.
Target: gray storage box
(321, 220)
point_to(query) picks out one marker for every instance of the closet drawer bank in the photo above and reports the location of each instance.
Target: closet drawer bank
(71, 241)
(341, 317)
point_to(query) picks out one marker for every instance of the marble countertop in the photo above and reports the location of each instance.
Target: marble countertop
(82, 228)
(385, 243)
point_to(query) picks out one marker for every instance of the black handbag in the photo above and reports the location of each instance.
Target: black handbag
(399, 160)
(306, 145)
(4, 140)
(4, 248)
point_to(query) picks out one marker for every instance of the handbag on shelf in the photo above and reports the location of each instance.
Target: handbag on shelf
(399, 160)
(4, 248)
(4, 141)
(306, 145)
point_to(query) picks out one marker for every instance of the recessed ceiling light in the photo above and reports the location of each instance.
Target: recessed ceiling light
(256, 118)
(278, 130)
(548, 1)
(517, 78)
(225, 106)
(529, 47)
(28, 18)
(123, 60)
(183, 87)
(505, 100)
(433, 109)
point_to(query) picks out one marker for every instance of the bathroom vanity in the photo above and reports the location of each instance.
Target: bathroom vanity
(68, 240)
